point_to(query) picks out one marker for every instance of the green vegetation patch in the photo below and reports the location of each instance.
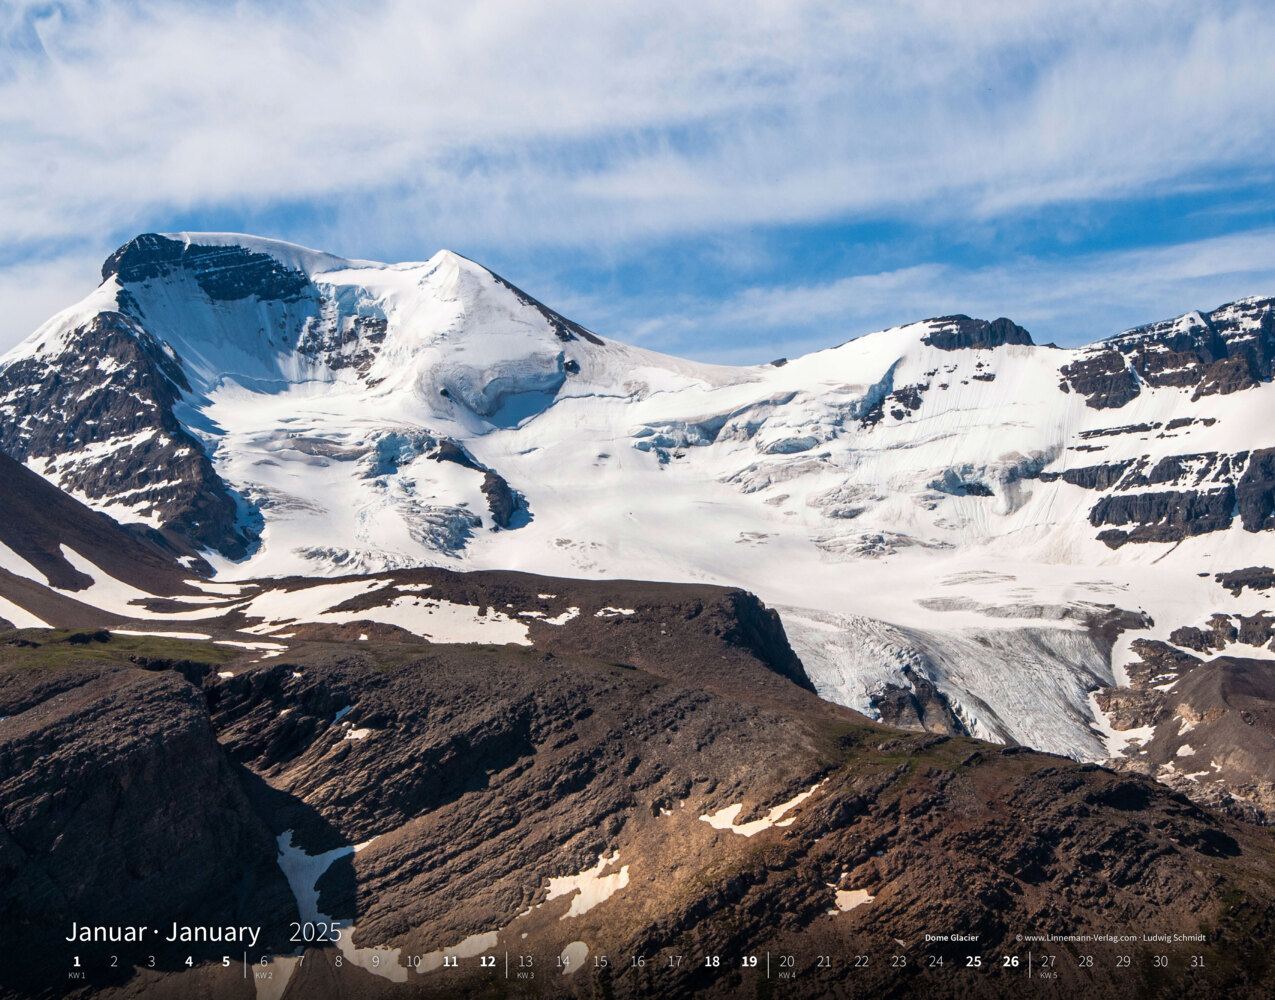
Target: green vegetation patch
(57, 649)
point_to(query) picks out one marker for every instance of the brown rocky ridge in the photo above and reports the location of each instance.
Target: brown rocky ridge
(555, 799)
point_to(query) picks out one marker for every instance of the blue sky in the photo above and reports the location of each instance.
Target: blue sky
(728, 181)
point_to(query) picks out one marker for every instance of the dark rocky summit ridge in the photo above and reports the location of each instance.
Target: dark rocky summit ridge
(960, 332)
(564, 329)
(1220, 352)
(223, 272)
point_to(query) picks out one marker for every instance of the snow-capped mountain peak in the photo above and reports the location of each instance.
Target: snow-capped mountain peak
(246, 309)
(282, 411)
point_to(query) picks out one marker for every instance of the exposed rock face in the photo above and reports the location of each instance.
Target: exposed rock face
(1212, 721)
(118, 806)
(352, 343)
(224, 273)
(1121, 430)
(1254, 630)
(920, 707)
(505, 504)
(565, 329)
(1255, 492)
(905, 400)
(1254, 577)
(501, 500)
(450, 451)
(1216, 636)
(1160, 663)
(36, 520)
(1217, 353)
(1163, 517)
(1131, 708)
(956, 333)
(1104, 378)
(1213, 487)
(898, 403)
(112, 392)
(1225, 630)
(1095, 477)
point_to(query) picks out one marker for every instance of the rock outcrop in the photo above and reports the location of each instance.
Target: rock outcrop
(119, 807)
(957, 333)
(1214, 353)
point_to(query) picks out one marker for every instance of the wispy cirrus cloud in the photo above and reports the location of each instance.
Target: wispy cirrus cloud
(1070, 301)
(387, 129)
(32, 291)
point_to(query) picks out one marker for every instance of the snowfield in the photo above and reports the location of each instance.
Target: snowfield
(885, 493)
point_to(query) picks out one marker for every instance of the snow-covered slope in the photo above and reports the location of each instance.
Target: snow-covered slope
(948, 511)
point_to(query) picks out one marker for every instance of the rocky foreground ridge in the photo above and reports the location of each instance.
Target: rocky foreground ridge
(648, 776)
